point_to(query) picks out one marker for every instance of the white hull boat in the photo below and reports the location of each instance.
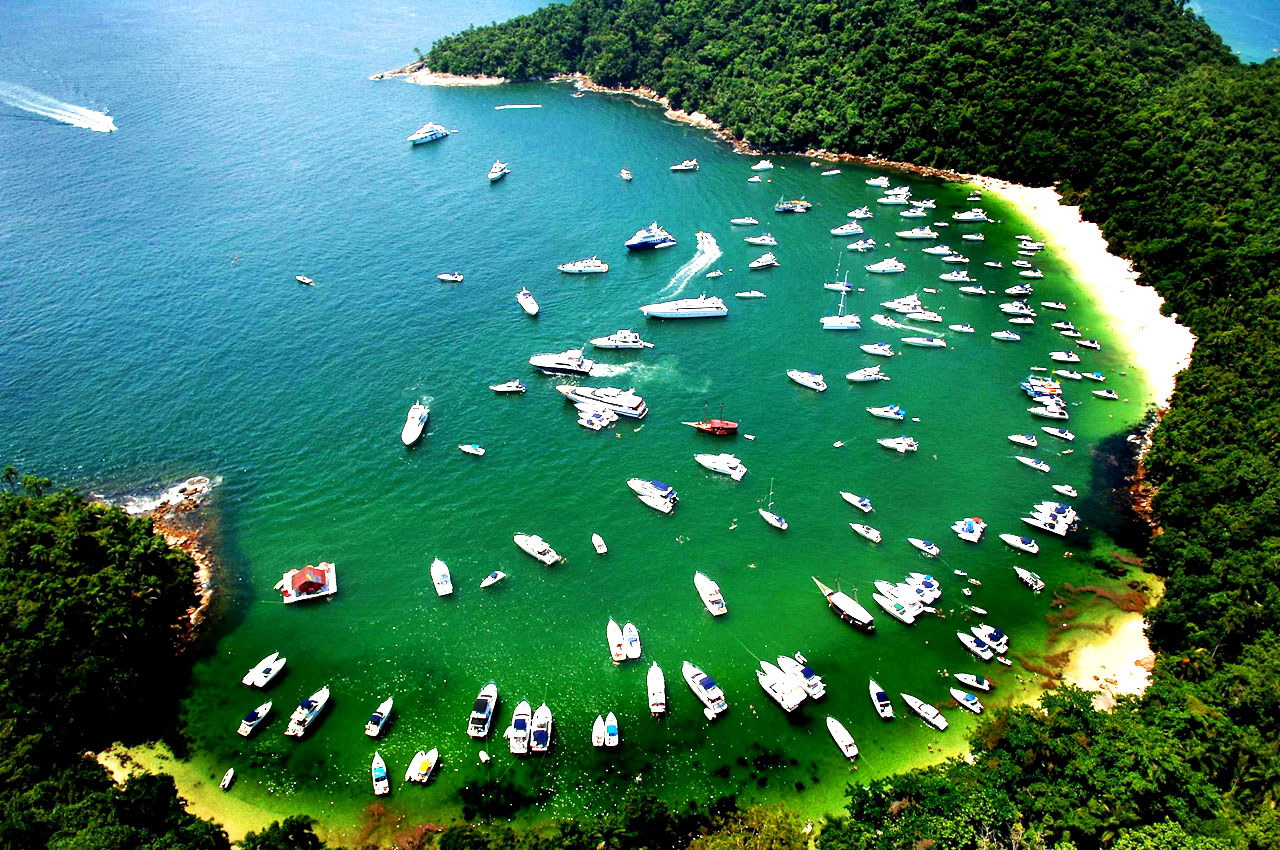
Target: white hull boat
(414, 424)
(481, 717)
(518, 732)
(253, 718)
(536, 548)
(422, 765)
(866, 531)
(440, 578)
(846, 607)
(1022, 544)
(540, 737)
(842, 738)
(967, 700)
(927, 713)
(705, 689)
(378, 719)
(657, 687)
(710, 593)
(724, 463)
(880, 700)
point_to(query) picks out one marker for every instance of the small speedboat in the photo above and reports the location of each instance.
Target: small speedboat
(878, 349)
(1024, 440)
(1069, 374)
(1107, 394)
(440, 578)
(414, 424)
(517, 733)
(969, 529)
(955, 259)
(714, 273)
(980, 683)
(927, 712)
(830, 172)
(497, 171)
(976, 646)
(305, 281)
(625, 174)
(807, 379)
(850, 229)
(617, 645)
(967, 700)
(1095, 376)
(1030, 579)
(621, 339)
(881, 181)
(540, 737)
(745, 221)
(891, 411)
(1037, 465)
(1053, 305)
(527, 302)
(1060, 433)
(686, 165)
(861, 213)
(866, 531)
(1022, 544)
(723, 463)
(261, 674)
(750, 293)
(378, 719)
(471, 449)
(611, 736)
(762, 165)
(1064, 357)
(597, 542)
(881, 701)
(659, 495)
(516, 386)
(862, 245)
(631, 640)
(889, 265)
(450, 277)
(842, 738)
(764, 261)
(994, 264)
(705, 689)
(963, 328)
(657, 687)
(974, 290)
(924, 341)
(253, 718)
(422, 765)
(901, 445)
(1006, 336)
(1066, 490)
(800, 670)
(492, 578)
(927, 547)
(862, 503)
(227, 778)
(536, 548)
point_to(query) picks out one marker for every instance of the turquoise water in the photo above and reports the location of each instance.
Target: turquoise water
(156, 332)
(1249, 27)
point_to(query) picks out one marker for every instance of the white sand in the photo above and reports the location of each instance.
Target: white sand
(1120, 664)
(427, 77)
(1159, 346)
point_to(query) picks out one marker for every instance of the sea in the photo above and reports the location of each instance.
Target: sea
(155, 332)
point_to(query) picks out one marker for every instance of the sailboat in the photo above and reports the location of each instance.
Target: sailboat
(720, 426)
(769, 516)
(841, 322)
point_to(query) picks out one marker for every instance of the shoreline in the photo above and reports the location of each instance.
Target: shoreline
(419, 74)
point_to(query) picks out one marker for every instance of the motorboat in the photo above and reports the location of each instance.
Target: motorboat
(1030, 579)
(745, 221)
(306, 712)
(702, 307)
(916, 233)
(807, 379)
(924, 341)
(492, 578)
(973, 290)
(762, 165)
(617, 647)
(880, 181)
(660, 496)
(754, 178)
(925, 204)
(750, 293)
(1060, 433)
(783, 689)
(304, 280)
(866, 531)
(378, 719)
(1031, 245)
(1006, 336)
(1022, 544)
(527, 302)
(862, 245)
(471, 449)
(974, 237)
(890, 265)
(894, 608)
(846, 607)
(415, 422)
(975, 681)
(625, 174)
(1064, 357)
(976, 646)
(926, 584)
(591, 265)
(631, 641)
(422, 765)
(516, 386)
(715, 273)
(314, 581)
(536, 548)
(861, 213)
(657, 687)
(893, 200)
(905, 304)
(867, 375)
(611, 736)
(850, 229)
(928, 547)
(1069, 374)
(994, 264)
(764, 261)
(795, 206)
(925, 315)
(1017, 308)
(481, 717)
(799, 669)
(261, 674)
(568, 362)
(1053, 305)
(686, 165)
(597, 543)
(1066, 490)
(1091, 344)
(724, 463)
(975, 214)
(252, 719)
(1038, 465)
(518, 732)
(878, 349)
(1095, 376)
(862, 503)
(969, 529)
(880, 700)
(843, 739)
(891, 411)
(227, 779)
(963, 328)
(428, 132)
(710, 593)
(650, 237)
(830, 172)
(1033, 274)
(540, 730)
(1112, 395)
(1024, 440)
(955, 259)
(621, 402)
(621, 339)
(901, 445)
(498, 170)
(766, 239)
(1020, 289)
(1049, 411)
(440, 578)
(967, 700)
(938, 250)
(992, 637)
(1051, 523)
(927, 713)
(1021, 264)
(958, 276)
(705, 689)
(1071, 334)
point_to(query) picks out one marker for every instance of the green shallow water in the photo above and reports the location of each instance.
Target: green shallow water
(294, 397)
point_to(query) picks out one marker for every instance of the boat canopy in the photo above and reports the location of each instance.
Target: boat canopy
(707, 683)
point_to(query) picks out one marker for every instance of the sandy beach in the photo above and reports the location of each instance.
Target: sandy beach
(1120, 663)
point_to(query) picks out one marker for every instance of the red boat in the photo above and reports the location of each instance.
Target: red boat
(719, 427)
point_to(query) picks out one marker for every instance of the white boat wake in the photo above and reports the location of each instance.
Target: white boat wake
(28, 100)
(708, 253)
(881, 319)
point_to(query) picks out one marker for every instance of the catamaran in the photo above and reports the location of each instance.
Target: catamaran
(783, 689)
(261, 674)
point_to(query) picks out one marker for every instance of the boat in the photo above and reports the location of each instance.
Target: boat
(755, 178)
(764, 261)
(975, 214)
(537, 548)
(540, 730)
(846, 607)
(914, 212)
(1060, 433)
(621, 338)
(719, 426)
(471, 449)
(252, 719)
(1006, 336)
(227, 778)
(830, 172)
(862, 503)
(878, 349)
(440, 578)
(428, 132)
(799, 669)
(767, 513)
(1107, 394)
(992, 637)
(1038, 465)
(852, 228)
(901, 445)
(973, 290)
(861, 213)
(975, 681)
(306, 712)
(497, 171)
(925, 315)
(762, 165)
(1053, 305)
(631, 641)
(1033, 274)
(657, 687)
(492, 578)
(783, 689)
(527, 302)
(924, 341)
(378, 719)
(1069, 374)
(598, 543)
(311, 582)
(515, 386)
(916, 233)
(415, 422)
(926, 546)
(1030, 579)
(1024, 440)
(939, 250)
(967, 700)
(862, 245)
(894, 608)
(807, 379)
(1066, 490)
(969, 529)
(958, 276)
(766, 239)
(1071, 334)
(974, 237)
(891, 411)
(976, 646)
(866, 375)
(611, 736)
(591, 265)
(710, 593)
(617, 646)
(625, 174)
(568, 362)
(422, 765)
(800, 206)
(518, 732)
(889, 265)
(621, 402)
(702, 307)
(305, 281)
(745, 221)
(893, 200)
(1095, 376)
(705, 689)
(842, 738)
(1049, 411)
(724, 463)
(1021, 264)
(1091, 344)
(481, 717)
(880, 181)
(261, 674)
(650, 237)
(866, 531)
(686, 165)
(660, 496)
(1022, 544)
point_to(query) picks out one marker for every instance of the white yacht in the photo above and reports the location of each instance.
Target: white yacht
(807, 379)
(568, 362)
(1006, 335)
(621, 402)
(860, 214)
(1060, 433)
(973, 290)
(749, 293)
(974, 237)
(975, 214)
(967, 700)
(762, 165)
(881, 701)
(702, 307)
(866, 531)
(894, 608)
(1112, 395)
(647, 238)
(253, 718)
(890, 265)
(969, 529)
(862, 503)
(880, 181)
(785, 690)
(846, 607)
(1038, 465)
(976, 646)
(306, 712)
(798, 668)
(939, 250)
(1030, 579)
(879, 349)
(498, 170)
(481, 717)
(764, 261)
(766, 239)
(925, 315)
(516, 386)
(973, 680)
(621, 339)
(1091, 344)
(440, 578)
(958, 276)
(843, 739)
(591, 265)
(657, 687)
(1049, 411)
(862, 245)
(617, 647)
(686, 165)
(963, 328)
(745, 221)
(422, 765)
(891, 411)
(261, 674)
(1053, 305)
(1095, 376)
(631, 641)
(378, 719)
(658, 495)
(710, 593)
(540, 735)
(1066, 490)
(918, 233)
(955, 259)
(1022, 544)
(537, 548)
(414, 424)
(905, 304)
(924, 341)
(901, 445)
(850, 229)
(381, 782)
(705, 689)
(428, 132)
(928, 547)
(867, 375)
(723, 463)
(1021, 264)
(1034, 274)
(1024, 440)
(992, 637)
(517, 733)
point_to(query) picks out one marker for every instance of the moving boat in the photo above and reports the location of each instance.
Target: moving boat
(617, 647)
(762, 165)
(981, 683)
(764, 261)
(889, 265)
(252, 719)
(492, 578)
(481, 717)
(414, 424)
(846, 607)
(723, 463)
(657, 687)
(631, 640)
(866, 375)
(261, 674)
(891, 411)
(705, 689)
(976, 646)
(518, 732)
(807, 379)
(591, 265)
(1049, 411)
(926, 546)
(1038, 465)
(766, 239)
(658, 495)
(422, 765)
(568, 362)
(767, 514)
(440, 578)
(925, 315)
(862, 503)
(621, 402)
(702, 307)
(842, 738)
(924, 341)
(306, 712)
(916, 233)
(428, 132)
(526, 301)
(537, 548)
(305, 281)
(621, 339)
(516, 386)
(878, 349)
(686, 165)
(598, 543)
(710, 593)
(967, 700)
(866, 531)
(498, 170)
(1030, 579)
(540, 738)
(785, 690)
(799, 669)
(800, 206)
(901, 445)
(650, 237)
(378, 719)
